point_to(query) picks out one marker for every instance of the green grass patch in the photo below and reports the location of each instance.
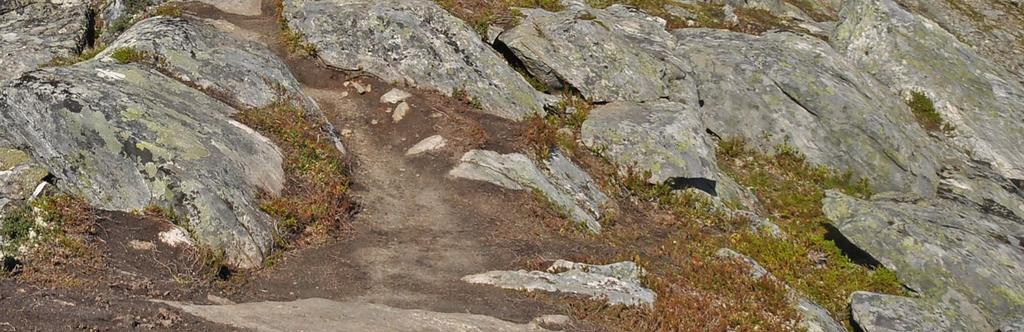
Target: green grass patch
(128, 55)
(925, 113)
(315, 204)
(791, 190)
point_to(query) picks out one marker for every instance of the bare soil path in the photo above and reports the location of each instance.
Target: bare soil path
(418, 232)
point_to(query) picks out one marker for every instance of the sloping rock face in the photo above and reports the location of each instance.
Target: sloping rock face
(612, 54)
(994, 28)
(243, 72)
(618, 283)
(126, 136)
(982, 101)
(784, 88)
(414, 42)
(953, 254)
(561, 182)
(34, 32)
(888, 313)
(663, 137)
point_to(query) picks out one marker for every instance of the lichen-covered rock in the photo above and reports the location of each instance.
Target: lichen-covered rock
(814, 318)
(989, 26)
(125, 137)
(561, 182)
(983, 103)
(613, 54)
(889, 313)
(617, 283)
(415, 42)
(793, 90)
(967, 259)
(33, 32)
(663, 137)
(244, 72)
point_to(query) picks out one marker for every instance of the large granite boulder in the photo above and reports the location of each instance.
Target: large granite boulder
(414, 42)
(662, 137)
(613, 54)
(125, 137)
(907, 52)
(244, 73)
(785, 88)
(954, 255)
(567, 187)
(33, 32)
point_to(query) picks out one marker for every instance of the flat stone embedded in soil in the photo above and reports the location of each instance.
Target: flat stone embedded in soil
(316, 314)
(618, 283)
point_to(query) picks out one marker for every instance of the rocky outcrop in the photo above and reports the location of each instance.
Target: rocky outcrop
(20, 177)
(415, 42)
(794, 90)
(994, 28)
(33, 32)
(326, 315)
(243, 73)
(613, 54)
(662, 137)
(813, 316)
(617, 283)
(907, 52)
(567, 187)
(952, 254)
(125, 137)
(889, 313)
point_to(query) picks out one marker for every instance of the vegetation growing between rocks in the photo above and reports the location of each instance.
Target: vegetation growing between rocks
(925, 113)
(314, 205)
(55, 231)
(675, 236)
(295, 41)
(135, 11)
(128, 55)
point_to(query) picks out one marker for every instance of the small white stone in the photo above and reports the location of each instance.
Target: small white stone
(400, 111)
(394, 96)
(427, 144)
(141, 245)
(175, 237)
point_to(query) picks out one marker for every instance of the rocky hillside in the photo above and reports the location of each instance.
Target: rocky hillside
(507, 165)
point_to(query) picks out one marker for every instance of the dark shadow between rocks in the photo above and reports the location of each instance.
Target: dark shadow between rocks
(856, 254)
(702, 184)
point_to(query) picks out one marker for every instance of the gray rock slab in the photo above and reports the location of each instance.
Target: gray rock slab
(415, 42)
(618, 283)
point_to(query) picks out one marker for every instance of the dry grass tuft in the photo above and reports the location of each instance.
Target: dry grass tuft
(315, 204)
